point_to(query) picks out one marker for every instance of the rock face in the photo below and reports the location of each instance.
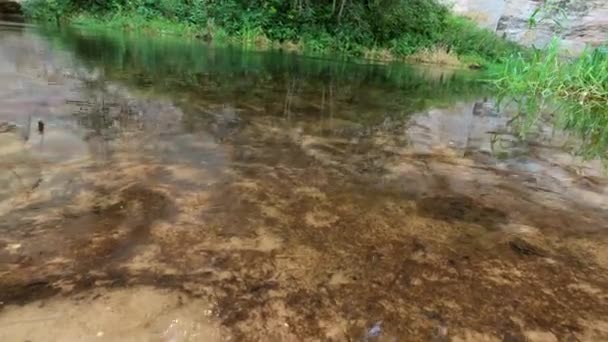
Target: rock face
(577, 23)
(10, 7)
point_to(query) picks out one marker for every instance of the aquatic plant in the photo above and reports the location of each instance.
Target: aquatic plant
(570, 92)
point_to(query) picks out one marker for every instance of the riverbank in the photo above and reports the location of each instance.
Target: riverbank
(420, 31)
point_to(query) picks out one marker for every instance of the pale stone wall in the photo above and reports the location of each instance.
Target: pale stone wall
(585, 21)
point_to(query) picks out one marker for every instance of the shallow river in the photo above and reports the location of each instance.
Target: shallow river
(164, 190)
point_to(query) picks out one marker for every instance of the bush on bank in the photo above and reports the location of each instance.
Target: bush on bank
(386, 29)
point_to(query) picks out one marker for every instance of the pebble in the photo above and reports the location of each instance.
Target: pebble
(13, 247)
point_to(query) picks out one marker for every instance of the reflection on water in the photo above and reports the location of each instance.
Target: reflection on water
(295, 198)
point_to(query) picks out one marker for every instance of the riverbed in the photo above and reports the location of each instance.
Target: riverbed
(156, 189)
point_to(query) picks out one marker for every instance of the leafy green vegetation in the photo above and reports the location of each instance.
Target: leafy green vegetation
(386, 29)
(569, 92)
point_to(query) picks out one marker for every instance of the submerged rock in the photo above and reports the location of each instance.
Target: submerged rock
(523, 247)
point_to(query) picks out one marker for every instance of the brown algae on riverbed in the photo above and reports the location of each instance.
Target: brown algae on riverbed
(262, 207)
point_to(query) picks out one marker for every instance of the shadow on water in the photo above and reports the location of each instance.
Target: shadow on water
(308, 86)
(296, 198)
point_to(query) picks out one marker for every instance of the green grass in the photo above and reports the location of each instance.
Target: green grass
(479, 45)
(134, 22)
(472, 46)
(571, 93)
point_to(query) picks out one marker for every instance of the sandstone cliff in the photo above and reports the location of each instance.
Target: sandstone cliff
(581, 22)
